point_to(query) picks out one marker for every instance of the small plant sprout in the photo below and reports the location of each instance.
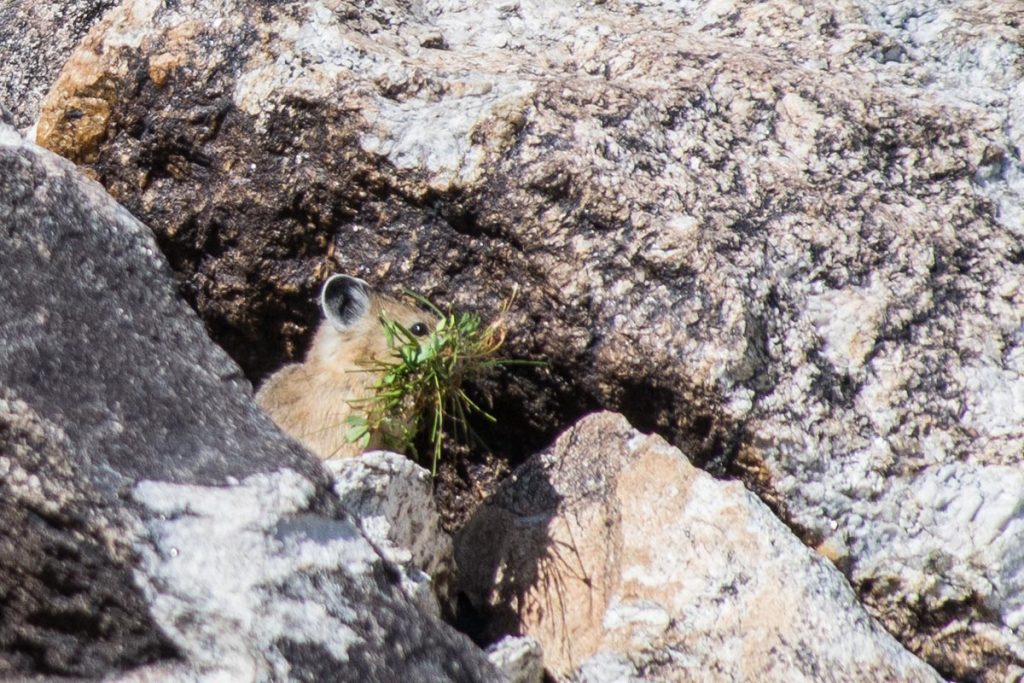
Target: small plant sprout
(421, 383)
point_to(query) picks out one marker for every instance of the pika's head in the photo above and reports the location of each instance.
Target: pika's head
(351, 334)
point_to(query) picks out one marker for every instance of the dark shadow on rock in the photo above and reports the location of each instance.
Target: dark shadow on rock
(696, 427)
(496, 566)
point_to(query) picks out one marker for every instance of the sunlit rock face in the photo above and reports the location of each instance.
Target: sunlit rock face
(626, 562)
(786, 237)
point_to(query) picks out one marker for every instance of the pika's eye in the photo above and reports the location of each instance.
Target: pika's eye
(418, 329)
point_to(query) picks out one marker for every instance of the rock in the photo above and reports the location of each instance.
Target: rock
(606, 667)
(153, 522)
(393, 499)
(786, 237)
(619, 556)
(63, 557)
(520, 659)
(36, 38)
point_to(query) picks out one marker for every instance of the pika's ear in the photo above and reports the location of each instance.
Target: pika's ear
(344, 301)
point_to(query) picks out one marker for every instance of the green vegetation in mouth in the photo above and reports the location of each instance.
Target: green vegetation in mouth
(421, 383)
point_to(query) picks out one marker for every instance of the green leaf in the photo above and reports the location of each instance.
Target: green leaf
(357, 433)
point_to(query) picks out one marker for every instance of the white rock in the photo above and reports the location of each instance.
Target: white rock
(211, 598)
(520, 659)
(392, 497)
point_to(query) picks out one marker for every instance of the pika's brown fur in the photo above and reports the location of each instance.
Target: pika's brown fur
(311, 400)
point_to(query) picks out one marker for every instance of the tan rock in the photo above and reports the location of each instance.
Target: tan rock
(613, 546)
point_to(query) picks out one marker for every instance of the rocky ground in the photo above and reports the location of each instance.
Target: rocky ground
(788, 239)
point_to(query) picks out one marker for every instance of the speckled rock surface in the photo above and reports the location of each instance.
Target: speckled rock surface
(393, 499)
(787, 237)
(153, 522)
(35, 40)
(519, 658)
(612, 547)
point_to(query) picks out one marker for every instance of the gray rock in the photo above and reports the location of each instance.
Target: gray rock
(786, 236)
(627, 563)
(69, 601)
(153, 523)
(35, 39)
(520, 659)
(393, 499)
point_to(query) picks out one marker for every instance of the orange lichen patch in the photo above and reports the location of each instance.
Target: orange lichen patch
(77, 129)
(833, 551)
(178, 43)
(161, 66)
(754, 471)
(182, 34)
(75, 115)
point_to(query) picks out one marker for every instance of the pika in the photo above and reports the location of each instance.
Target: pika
(311, 400)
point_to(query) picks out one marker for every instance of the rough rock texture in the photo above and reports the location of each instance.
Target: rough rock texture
(786, 236)
(520, 659)
(612, 545)
(35, 39)
(64, 551)
(150, 515)
(393, 499)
